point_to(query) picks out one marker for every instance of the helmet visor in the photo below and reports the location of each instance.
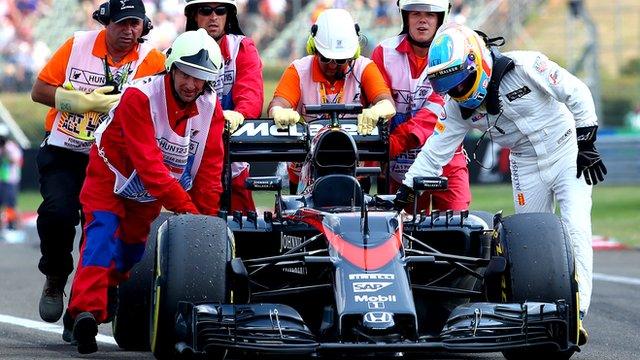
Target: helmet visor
(423, 7)
(447, 79)
(198, 73)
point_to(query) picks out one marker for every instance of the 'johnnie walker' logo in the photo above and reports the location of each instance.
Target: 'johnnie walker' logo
(123, 5)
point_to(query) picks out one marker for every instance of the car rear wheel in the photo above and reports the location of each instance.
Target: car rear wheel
(191, 265)
(131, 322)
(540, 267)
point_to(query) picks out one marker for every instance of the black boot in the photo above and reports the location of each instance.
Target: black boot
(67, 333)
(85, 329)
(51, 299)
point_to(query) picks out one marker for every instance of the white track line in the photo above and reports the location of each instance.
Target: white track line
(617, 279)
(47, 327)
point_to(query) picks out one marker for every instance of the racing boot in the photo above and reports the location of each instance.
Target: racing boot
(85, 329)
(51, 299)
(583, 335)
(67, 332)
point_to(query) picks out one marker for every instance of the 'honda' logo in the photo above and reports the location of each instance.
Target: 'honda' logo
(378, 317)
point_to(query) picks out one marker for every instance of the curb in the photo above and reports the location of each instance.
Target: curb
(607, 243)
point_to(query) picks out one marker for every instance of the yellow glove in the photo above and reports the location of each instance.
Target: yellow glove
(76, 101)
(368, 120)
(234, 119)
(284, 117)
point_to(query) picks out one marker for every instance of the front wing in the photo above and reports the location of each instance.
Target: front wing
(277, 329)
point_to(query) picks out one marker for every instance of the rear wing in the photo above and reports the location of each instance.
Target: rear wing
(260, 140)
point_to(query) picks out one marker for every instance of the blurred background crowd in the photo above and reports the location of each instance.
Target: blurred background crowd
(31, 29)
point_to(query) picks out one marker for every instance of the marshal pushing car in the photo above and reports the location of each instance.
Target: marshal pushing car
(334, 271)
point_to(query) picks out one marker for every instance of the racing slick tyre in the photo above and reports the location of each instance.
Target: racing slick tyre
(130, 324)
(192, 254)
(540, 267)
(484, 215)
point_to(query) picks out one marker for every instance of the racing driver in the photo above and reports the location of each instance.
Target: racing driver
(531, 105)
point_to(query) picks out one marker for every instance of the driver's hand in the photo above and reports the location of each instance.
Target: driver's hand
(284, 117)
(369, 118)
(234, 119)
(404, 196)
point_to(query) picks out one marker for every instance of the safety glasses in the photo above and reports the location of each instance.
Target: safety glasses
(337, 61)
(208, 10)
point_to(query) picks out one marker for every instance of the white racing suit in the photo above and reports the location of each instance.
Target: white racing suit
(542, 105)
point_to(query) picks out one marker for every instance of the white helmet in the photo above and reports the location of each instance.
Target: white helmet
(434, 6)
(335, 35)
(196, 54)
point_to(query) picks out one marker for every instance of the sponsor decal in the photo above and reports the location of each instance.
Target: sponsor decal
(372, 276)
(86, 77)
(444, 72)
(288, 242)
(123, 5)
(478, 116)
(375, 298)
(554, 78)
(521, 201)
(541, 64)
(378, 317)
(370, 286)
(517, 94)
(250, 128)
(295, 270)
(564, 137)
(443, 114)
(375, 305)
(440, 127)
(515, 175)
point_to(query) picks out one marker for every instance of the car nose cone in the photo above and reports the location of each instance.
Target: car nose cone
(378, 320)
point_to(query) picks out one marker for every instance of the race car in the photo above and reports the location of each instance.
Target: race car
(335, 272)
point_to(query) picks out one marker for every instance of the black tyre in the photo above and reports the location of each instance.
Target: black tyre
(484, 215)
(540, 267)
(191, 265)
(131, 321)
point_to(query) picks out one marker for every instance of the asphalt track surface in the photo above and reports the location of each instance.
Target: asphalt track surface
(613, 321)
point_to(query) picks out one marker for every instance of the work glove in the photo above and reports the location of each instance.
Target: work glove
(589, 161)
(234, 119)
(369, 118)
(404, 196)
(284, 117)
(78, 102)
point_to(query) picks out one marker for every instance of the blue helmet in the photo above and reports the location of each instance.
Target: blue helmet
(460, 64)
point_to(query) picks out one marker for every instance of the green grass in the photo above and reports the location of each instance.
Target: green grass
(614, 214)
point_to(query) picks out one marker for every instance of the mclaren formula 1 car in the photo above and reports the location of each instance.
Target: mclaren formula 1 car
(335, 272)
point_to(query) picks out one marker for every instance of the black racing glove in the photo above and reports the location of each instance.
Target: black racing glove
(404, 196)
(589, 161)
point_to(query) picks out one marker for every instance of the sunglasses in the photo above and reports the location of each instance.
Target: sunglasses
(208, 10)
(338, 61)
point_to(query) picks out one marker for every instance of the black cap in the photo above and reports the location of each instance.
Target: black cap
(126, 9)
